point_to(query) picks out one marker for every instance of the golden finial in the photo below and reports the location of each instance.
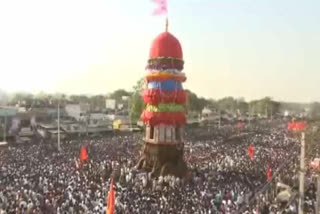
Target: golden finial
(167, 24)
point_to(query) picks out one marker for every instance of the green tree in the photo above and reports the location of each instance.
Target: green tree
(136, 101)
(118, 94)
(24, 99)
(265, 107)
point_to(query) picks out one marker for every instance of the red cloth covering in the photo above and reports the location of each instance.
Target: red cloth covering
(165, 77)
(166, 45)
(111, 199)
(155, 118)
(156, 96)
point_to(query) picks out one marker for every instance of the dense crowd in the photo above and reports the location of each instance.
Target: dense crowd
(224, 179)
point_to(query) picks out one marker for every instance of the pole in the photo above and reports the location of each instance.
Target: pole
(130, 120)
(301, 185)
(5, 127)
(318, 194)
(249, 115)
(59, 148)
(219, 119)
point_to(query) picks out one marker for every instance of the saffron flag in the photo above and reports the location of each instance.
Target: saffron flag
(251, 151)
(111, 199)
(162, 7)
(83, 154)
(269, 173)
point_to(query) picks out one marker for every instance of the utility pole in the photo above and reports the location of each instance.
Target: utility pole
(129, 113)
(5, 127)
(301, 185)
(318, 193)
(249, 115)
(59, 148)
(219, 118)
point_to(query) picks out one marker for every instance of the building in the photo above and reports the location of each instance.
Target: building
(77, 111)
(7, 114)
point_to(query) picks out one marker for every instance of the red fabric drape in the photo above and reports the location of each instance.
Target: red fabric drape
(162, 78)
(111, 199)
(156, 96)
(170, 118)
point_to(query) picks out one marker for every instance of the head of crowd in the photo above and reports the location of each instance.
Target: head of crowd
(36, 178)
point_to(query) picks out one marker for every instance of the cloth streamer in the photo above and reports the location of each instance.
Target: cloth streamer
(164, 76)
(163, 65)
(156, 96)
(169, 118)
(170, 107)
(171, 71)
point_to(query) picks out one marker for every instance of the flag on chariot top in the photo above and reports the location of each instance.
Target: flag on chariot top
(162, 7)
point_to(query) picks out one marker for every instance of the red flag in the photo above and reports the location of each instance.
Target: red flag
(251, 151)
(269, 173)
(297, 126)
(111, 199)
(83, 154)
(162, 7)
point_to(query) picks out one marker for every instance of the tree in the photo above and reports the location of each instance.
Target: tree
(315, 110)
(227, 103)
(79, 99)
(136, 102)
(118, 94)
(195, 104)
(265, 106)
(97, 102)
(23, 99)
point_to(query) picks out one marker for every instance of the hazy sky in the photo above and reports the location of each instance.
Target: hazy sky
(241, 48)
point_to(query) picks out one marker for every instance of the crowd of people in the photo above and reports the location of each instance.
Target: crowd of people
(224, 178)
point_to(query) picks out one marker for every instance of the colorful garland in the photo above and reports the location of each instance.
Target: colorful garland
(172, 71)
(163, 63)
(156, 96)
(164, 60)
(169, 85)
(168, 107)
(169, 118)
(164, 76)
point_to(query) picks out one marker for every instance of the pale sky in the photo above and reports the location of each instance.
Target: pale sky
(240, 48)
